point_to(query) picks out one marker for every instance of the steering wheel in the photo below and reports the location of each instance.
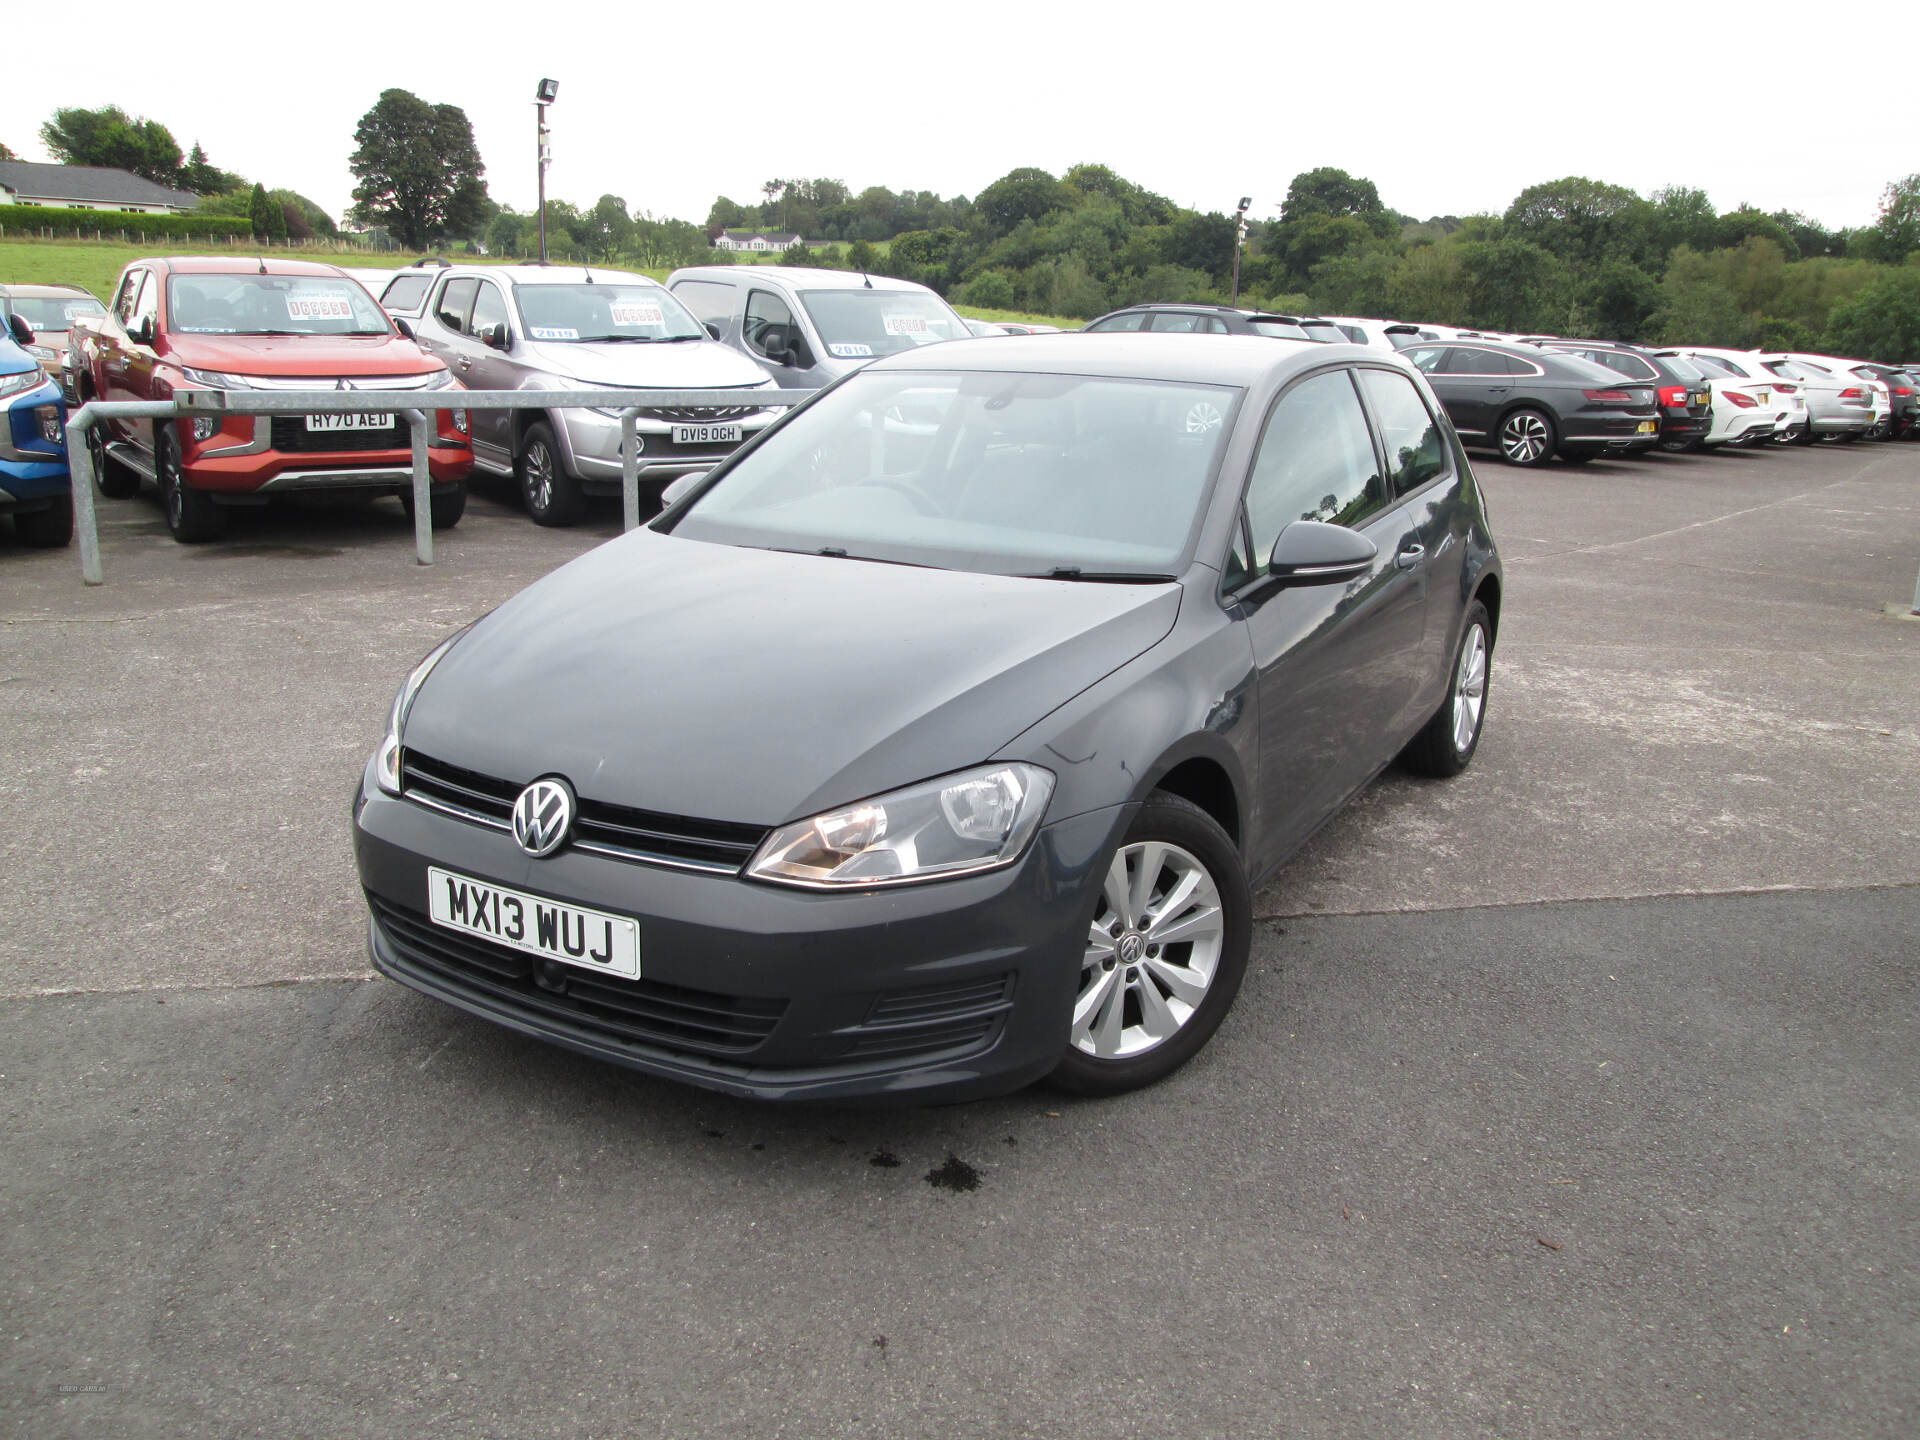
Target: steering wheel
(922, 502)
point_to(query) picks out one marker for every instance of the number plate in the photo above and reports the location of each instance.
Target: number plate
(1648, 427)
(706, 434)
(1765, 397)
(591, 939)
(350, 422)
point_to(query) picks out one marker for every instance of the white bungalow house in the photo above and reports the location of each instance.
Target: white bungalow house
(753, 241)
(88, 187)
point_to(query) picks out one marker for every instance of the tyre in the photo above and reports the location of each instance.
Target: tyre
(47, 529)
(192, 517)
(551, 495)
(1445, 745)
(115, 481)
(1166, 952)
(445, 505)
(1683, 447)
(1527, 438)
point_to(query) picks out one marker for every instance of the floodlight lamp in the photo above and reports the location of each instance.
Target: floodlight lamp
(1245, 201)
(547, 91)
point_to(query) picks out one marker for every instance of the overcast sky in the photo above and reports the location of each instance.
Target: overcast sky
(1447, 107)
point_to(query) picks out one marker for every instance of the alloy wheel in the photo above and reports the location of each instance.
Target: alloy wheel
(1152, 951)
(1524, 437)
(1469, 689)
(539, 481)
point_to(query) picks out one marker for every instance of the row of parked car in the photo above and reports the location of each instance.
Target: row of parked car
(246, 323)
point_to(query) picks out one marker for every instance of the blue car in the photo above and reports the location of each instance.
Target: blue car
(35, 486)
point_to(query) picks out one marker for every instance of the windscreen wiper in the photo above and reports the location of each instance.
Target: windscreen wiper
(1111, 577)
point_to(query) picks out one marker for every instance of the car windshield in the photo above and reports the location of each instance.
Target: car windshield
(1574, 367)
(1786, 370)
(1061, 476)
(272, 305)
(1716, 365)
(54, 312)
(857, 324)
(1686, 369)
(603, 311)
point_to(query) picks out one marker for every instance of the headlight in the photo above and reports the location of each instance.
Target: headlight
(956, 825)
(443, 380)
(387, 770)
(217, 380)
(40, 352)
(26, 380)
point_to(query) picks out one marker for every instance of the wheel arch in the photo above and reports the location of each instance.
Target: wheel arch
(1206, 775)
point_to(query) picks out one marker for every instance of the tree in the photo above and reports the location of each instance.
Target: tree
(1897, 231)
(1328, 191)
(1582, 221)
(1023, 194)
(1881, 322)
(991, 291)
(111, 137)
(797, 254)
(1515, 285)
(607, 229)
(419, 170)
(6, 153)
(202, 177)
(862, 256)
(259, 208)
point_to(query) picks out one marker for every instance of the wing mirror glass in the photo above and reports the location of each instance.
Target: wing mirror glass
(1310, 552)
(22, 331)
(494, 336)
(403, 327)
(142, 332)
(713, 330)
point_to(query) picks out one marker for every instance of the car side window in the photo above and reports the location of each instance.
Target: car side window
(1121, 322)
(1239, 565)
(404, 292)
(1415, 451)
(1316, 461)
(1172, 322)
(710, 301)
(146, 305)
(489, 307)
(456, 299)
(129, 291)
(1467, 361)
(1427, 359)
(770, 330)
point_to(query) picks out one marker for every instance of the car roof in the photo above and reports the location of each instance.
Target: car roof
(541, 274)
(1242, 360)
(237, 265)
(798, 276)
(51, 290)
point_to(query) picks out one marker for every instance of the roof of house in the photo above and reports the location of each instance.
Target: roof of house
(772, 237)
(92, 183)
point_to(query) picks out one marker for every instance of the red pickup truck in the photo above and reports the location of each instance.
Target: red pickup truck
(251, 324)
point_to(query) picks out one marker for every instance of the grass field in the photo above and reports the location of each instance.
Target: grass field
(97, 264)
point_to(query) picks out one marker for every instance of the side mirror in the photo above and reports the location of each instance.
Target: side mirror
(678, 489)
(713, 330)
(494, 337)
(142, 332)
(1310, 552)
(799, 355)
(22, 331)
(406, 330)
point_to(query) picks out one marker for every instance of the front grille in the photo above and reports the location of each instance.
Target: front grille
(672, 1017)
(932, 1019)
(291, 437)
(601, 828)
(696, 414)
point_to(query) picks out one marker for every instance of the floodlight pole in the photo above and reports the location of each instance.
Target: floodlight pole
(1239, 238)
(545, 154)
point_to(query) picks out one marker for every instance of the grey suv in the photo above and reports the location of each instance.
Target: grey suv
(807, 328)
(534, 327)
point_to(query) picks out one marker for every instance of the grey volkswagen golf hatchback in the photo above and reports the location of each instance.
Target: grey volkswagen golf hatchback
(932, 743)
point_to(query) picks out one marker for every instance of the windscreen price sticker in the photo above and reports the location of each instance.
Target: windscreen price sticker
(906, 324)
(319, 307)
(638, 312)
(851, 352)
(555, 332)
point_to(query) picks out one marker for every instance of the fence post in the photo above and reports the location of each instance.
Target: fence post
(629, 470)
(422, 487)
(80, 469)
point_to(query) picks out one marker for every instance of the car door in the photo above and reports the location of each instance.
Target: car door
(491, 357)
(138, 358)
(115, 347)
(1334, 662)
(770, 331)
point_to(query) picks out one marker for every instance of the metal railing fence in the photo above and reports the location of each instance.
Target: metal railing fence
(418, 408)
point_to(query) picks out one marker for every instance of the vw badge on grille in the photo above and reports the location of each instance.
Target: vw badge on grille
(543, 816)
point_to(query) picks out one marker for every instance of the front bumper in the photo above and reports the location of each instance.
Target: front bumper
(591, 442)
(945, 991)
(32, 468)
(241, 458)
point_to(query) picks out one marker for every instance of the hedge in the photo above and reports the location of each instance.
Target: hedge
(28, 220)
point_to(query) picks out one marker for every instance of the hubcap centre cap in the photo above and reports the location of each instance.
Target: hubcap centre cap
(1132, 946)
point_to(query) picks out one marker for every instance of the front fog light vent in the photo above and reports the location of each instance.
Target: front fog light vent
(205, 427)
(49, 418)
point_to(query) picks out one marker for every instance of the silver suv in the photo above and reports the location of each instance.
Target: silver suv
(535, 327)
(807, 328)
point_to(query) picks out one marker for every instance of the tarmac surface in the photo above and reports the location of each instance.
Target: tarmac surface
(1572, 1097)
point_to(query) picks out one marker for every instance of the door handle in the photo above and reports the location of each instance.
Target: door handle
(465, 363)
(1410, 556)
